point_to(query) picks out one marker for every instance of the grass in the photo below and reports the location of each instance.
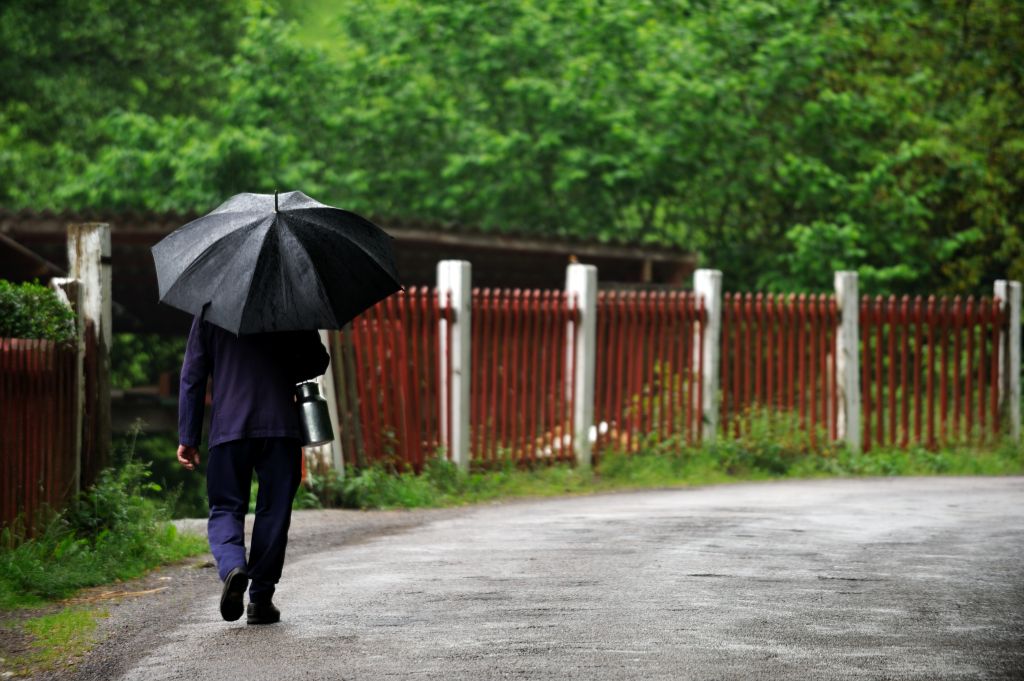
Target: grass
(769, 448)
(52, 640)
(115, 530)
(444, 484)
(112, 532)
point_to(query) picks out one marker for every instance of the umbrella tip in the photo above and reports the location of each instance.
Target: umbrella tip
(275, 201)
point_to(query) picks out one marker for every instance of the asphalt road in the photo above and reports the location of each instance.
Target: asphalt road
(850, 579)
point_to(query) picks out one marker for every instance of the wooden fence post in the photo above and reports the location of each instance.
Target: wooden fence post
(71, 292)
(1009, 292)
(89, 262)
(707, 284)
(330, 453)
(455, 276)
(848, 360)
(581, 283)
(344, 370)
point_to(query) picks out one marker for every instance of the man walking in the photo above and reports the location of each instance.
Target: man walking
(254, 426)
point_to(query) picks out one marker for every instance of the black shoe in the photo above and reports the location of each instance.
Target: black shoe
(231, 597)
(262, 613)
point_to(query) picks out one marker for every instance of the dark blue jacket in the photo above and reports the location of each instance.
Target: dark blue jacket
(254, 379)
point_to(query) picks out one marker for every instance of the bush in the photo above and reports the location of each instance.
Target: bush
(112, 531)
(31, 310)
(769, 442)
(139, 359)
(183, 492)
(322, 490)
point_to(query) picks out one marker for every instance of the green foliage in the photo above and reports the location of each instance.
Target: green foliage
(139, 359)
(183, 492)
(321, 490)
(112, 531)
(306, 498)
(769, 442)
(56, 638)
(31, 310)
(1001, 459)
(442, 483)
(771, 447)
(67, 65)
(784, 139)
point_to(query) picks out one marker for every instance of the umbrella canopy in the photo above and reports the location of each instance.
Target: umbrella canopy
(265, 262)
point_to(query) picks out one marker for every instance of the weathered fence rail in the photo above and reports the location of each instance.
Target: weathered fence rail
(930, 369)
(566, 375)
(926, 370)
(778, 352)
(38, 467)
(387, 379)
(521, 392)
(649, 368)
(387, 376)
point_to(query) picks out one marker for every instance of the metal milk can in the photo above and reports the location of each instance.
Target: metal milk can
(314, 418)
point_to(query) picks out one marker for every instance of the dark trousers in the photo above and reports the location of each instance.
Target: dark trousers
(278, 464)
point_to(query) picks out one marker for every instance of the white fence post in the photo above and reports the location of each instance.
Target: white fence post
(1009, 292)
(89, 262)
(581, 284)
(848, 359)
(70, 291)
(454, 276)
(707, 285)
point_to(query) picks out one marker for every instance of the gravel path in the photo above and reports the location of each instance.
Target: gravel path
(837, 579)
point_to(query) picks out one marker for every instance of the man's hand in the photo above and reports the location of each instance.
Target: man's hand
(188, 457)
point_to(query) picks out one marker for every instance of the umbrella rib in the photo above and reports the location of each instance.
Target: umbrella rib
(297, 216)
(252, 271)
(191, 224)
(224, 271)
(312, 267)
(168, 242)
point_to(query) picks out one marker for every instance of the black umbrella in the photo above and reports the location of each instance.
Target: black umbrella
(270, 263)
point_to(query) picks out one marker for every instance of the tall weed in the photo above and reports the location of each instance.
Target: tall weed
(112, 531)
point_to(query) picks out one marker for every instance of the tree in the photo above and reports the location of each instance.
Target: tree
(781, 139)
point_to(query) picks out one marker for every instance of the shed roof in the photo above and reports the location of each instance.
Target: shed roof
(504, 257)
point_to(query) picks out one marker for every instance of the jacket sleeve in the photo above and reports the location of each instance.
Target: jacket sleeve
(309, 357)
(192, 394)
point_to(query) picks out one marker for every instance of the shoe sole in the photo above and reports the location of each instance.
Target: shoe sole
(231, 605)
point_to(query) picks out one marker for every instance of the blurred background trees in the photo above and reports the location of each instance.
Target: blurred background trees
(782, 140)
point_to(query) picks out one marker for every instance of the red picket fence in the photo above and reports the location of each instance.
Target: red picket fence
(778, 352)
(521, 392)
(648, 383)
(387, 376)
(387, 379)
(929, 369)
(37, 438)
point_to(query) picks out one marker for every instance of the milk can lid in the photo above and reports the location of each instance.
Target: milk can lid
(308, 389)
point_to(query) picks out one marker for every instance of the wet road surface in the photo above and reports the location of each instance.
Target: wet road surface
(832, 579)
